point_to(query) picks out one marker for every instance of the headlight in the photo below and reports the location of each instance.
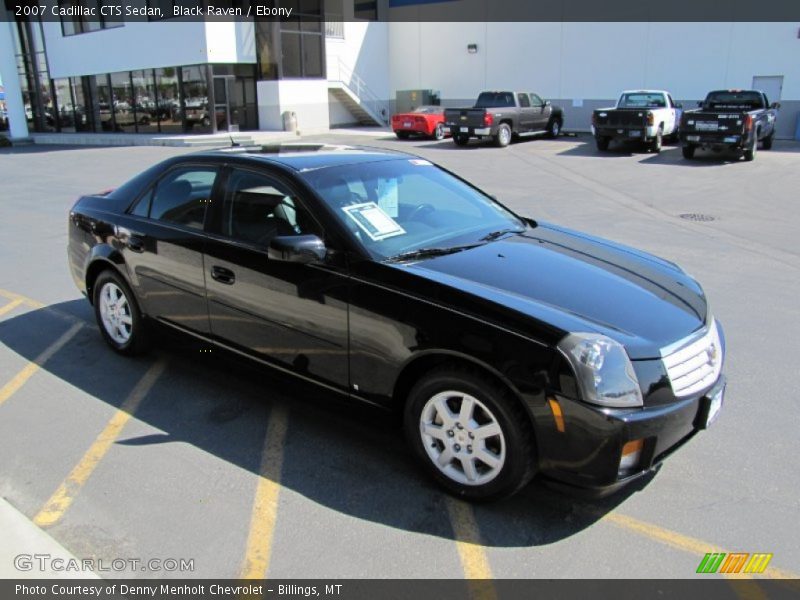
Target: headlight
(604, 372)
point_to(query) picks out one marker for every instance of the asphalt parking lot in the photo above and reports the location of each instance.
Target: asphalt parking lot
(183, 454)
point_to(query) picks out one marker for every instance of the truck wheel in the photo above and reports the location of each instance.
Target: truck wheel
(461, 140)
(602, 143)
(767, 142)
(688, 152)
(750, 152)
(503, 136)
(554, 128)
(658, 141)
(470, 434)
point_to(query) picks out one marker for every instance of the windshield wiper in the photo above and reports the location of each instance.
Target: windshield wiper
(500, 232)
(430, 252)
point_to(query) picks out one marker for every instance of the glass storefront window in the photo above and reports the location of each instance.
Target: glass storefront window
(82, 102)
(102, 103)
(195, 89)
(122, 102)
(66, 107)
(168, 100)
(144, 96)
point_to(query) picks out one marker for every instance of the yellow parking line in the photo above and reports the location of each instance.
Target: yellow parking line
(24, 299)
(265, 506)
(681, 542)
(30, 369)
(61, 500)
(10, 306)
(471, 551)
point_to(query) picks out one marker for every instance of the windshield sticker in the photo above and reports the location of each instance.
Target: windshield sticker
(373, 220)
(420, 162)
(388, 197)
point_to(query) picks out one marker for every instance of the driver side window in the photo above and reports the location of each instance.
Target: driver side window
(257, 208)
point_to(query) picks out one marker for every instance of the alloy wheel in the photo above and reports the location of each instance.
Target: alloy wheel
(115, 313)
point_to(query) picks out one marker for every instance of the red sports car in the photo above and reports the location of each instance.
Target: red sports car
(423, 120)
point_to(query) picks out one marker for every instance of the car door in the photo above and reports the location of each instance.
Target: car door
(673, 116)
(291, 315)
(527, 115)
(541, 111)
(163, 242)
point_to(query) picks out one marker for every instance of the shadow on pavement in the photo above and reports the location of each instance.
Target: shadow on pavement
(348, 458)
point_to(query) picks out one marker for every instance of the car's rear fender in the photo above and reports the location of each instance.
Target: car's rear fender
(100, 258)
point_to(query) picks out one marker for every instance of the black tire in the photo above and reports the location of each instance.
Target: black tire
(657, 142)
(751, 150)
(503, 136)
(137, 341)
(554, 128)
(766, 143)
(403, 135)
(439, 131)
(602, 143)
(460, 140)
(519, 463)
(688, 151)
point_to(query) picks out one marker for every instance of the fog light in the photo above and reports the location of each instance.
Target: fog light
(631, 457)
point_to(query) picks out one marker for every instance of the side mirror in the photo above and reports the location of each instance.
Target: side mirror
(775, 105)
(297, 248)
(679, 105)
(547, 102)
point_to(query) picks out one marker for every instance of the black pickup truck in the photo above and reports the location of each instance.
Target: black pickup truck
(502, 115)
(730, 120)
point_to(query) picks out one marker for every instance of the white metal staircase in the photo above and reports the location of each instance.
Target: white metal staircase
(349, 89)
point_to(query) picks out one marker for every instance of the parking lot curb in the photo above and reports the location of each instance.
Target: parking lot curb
(22, 540)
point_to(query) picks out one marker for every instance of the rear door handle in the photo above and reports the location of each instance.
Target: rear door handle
(223, 275)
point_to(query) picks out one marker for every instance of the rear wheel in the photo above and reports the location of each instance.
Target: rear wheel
(602, 143)
(752, 149)
(438, 131)
(461, 140)
(503, 136)
(472, 436)
(118, 315)
(403, 135)
(688, 152)
(657, 142)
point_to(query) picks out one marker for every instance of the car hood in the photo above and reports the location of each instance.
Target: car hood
(575, 282)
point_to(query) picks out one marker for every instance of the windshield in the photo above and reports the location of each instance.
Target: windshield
(404, 205)
(724, 100)
(640, 100)
(495, 100)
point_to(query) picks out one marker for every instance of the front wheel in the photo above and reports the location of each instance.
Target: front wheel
(602, 143)
(503, 136)
(688, 152)
(460, 140)
(767, 142)
(473, 437)
(554, 128)
(438, 132)
(118, 314)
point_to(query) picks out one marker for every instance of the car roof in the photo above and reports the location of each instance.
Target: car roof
(306, 156)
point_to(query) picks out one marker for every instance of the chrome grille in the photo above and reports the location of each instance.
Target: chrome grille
(695, 364)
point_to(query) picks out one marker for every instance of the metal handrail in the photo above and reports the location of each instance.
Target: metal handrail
(369, 100)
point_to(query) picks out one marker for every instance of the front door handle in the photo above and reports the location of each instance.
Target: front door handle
(135, 243)
(223, 275)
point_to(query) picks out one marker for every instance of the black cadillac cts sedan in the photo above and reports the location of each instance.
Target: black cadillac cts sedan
(512, 347)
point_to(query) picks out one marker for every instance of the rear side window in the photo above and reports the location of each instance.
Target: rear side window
(495, 100)
(180, 197)
(524, 101)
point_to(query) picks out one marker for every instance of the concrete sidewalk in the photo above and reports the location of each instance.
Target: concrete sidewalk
(22, 540)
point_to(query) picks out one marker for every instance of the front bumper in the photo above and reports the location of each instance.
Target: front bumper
(587, 453)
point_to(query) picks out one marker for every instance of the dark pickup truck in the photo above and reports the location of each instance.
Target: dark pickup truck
(502, 115)
(730, 120)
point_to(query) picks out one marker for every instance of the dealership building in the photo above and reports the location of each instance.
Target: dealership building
(344, 62)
